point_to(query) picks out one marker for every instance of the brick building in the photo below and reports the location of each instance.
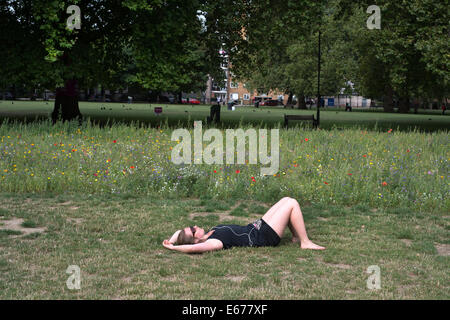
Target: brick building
(233, 90)
(238, 91)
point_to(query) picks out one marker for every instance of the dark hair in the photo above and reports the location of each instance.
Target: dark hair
(183, 238)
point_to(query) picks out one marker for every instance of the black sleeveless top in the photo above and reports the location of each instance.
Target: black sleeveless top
(255, 234)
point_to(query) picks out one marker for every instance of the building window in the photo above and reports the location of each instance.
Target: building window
(246, 96)
(234, 85)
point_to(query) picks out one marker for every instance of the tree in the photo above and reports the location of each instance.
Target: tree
(263, 57)
(21, 50)
(337, 58)
(278, 48)
(408, 56)
(160, 45)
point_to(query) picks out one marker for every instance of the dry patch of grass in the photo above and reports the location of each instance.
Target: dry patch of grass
(443, 249)
(19, 225)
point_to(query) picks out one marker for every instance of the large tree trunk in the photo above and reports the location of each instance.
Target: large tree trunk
(102, 93)
(388, 100)
(180, 97)
(208, 92)
(301, 102)
(66, 101)
(14, 92)
(416, 106)
(289, 100)
(403, 106)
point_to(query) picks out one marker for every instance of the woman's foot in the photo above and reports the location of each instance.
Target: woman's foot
(310, 245)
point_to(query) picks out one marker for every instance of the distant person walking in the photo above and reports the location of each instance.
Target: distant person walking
(347, 107)
(443, 108)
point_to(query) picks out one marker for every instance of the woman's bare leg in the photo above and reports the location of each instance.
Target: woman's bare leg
(288, 213)
(268, 216)
(275, 207)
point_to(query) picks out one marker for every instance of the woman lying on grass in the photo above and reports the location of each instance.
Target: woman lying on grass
(264, 232)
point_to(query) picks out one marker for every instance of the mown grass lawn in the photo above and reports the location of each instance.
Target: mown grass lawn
(176, 115)
(116, 242)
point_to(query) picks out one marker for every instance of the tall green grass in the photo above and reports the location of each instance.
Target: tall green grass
(345, 167)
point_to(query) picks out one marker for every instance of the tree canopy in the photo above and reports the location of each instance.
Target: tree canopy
(407, 57)
(160, 45)
(173, 45)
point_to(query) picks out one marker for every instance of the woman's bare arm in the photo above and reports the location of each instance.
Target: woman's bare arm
(174, 237)
(209, 245)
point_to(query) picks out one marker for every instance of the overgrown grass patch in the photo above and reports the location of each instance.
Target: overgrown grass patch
(351, 167)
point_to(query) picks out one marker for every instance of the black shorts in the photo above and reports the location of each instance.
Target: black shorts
(263, 235)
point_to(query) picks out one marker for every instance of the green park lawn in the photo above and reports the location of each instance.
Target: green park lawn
(104, 199)
(270, 116)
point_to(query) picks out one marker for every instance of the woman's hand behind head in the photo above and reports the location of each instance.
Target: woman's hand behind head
(167, 244)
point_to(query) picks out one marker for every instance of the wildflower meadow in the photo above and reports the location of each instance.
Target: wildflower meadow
(345, 167)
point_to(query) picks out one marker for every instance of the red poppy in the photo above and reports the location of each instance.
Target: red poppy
(325, 182)
(132, 167)
(407, 150)
(306, 139)
(115, 141)
(384, 183)
(364, 156)
(349, 174)
(238, 171)
(215, 171)
(95, 174)
(390, 130)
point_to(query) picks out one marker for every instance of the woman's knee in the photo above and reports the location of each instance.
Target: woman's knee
(294, 202)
